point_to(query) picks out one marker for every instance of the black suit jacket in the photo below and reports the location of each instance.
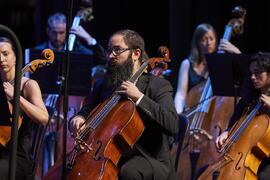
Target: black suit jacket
(160, 119)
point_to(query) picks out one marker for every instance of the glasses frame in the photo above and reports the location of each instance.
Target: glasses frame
(117, 52)
(257, 74)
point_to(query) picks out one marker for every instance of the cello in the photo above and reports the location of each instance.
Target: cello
(207, 118)
(99, 149)
(157, 66)
(243, 151)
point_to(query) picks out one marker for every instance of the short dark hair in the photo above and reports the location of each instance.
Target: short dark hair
(260, 62)
(133, 40)
(56, 18)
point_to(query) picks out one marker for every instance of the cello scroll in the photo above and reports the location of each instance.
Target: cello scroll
(37, 63)
(158, 65)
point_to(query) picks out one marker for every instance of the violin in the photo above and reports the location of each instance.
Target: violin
(5, 131)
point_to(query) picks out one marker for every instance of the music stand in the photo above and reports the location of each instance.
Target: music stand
(229, 73)
(79, 72)
(5, 114)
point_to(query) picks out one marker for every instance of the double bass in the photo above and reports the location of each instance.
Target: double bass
(111, 128)
(86, 14)
(208, 116)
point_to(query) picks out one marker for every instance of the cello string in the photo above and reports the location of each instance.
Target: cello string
(100, 116)
(201, 109)
(112, 102)
(247, 121)
(108, 107)
(241, 128)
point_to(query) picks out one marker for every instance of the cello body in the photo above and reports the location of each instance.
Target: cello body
(205, 124)
(98, 159)
(100, 150)
(241, 161)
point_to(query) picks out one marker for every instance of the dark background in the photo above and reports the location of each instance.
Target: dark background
(163, 22)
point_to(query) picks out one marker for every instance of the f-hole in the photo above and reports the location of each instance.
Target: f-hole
(96, 156)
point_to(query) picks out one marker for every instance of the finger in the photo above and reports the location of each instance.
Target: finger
(223, 141)
(216, 142)
(122, 88)
(78, 125)
(121, 92)
(219, 143)
(128, 82)
(125, 83)
(262, 99)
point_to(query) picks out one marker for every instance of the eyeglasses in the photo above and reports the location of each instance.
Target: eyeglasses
(116, 51)
(257, 73)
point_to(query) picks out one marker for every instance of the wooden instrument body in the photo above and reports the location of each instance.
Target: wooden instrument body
(242, 160)
(124, 127)
(5, 131)
(199, 148)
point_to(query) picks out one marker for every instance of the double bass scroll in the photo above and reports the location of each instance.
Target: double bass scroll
(236, 25)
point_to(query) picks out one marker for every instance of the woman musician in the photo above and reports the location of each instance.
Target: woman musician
(193, 70)
(33, 111)
(260, 77)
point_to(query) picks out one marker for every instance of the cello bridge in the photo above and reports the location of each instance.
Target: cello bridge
(197, 132)
(83, 144)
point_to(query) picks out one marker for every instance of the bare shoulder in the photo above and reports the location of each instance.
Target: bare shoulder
(27, 82)
(185, 63)
(29, 85)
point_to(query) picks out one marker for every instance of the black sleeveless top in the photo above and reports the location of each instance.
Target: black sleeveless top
(24, 147)
(193, 77)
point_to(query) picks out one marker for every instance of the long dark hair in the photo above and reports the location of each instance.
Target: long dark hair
(196, 55)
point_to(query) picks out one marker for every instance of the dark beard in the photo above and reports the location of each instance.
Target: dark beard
(119, 73)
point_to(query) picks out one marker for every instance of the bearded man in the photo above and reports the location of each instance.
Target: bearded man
(150, 157)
